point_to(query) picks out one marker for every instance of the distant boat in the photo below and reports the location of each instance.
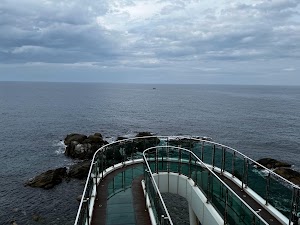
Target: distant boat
(154, 88)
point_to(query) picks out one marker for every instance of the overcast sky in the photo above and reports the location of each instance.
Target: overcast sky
(151, 41)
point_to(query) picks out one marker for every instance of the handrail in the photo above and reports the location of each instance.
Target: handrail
(238, 154)
(203, 165)
(156, 187)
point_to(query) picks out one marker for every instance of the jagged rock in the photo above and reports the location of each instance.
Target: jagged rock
(74, 137)
(36, 217)
(289, 174)
(79, 170)
(82, 147)
(144, 134)
(272, 163)
(79, 198)
(121, 138)
(48, 179)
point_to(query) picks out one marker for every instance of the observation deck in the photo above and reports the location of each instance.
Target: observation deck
(221, 185)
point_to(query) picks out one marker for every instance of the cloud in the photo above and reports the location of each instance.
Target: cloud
(130, 34)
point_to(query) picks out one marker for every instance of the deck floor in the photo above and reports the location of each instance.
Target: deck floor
(138, 204)
(250, 201)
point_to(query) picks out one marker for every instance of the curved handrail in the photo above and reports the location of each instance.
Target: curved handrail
(203, 165)
(103, 149)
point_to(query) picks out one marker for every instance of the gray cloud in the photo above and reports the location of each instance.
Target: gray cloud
(192, 36)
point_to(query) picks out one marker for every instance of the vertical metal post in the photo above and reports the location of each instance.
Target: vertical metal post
(226, 206)
(208, 188)
(156, 160)
(213, 156)
(268, 188)
(233, 163)
(294, 206)
(246, 179)
(86, 202)
(95, 165)
(113, 184)
(196, 173)
(102, 166)
(244, 171)
(113, 153)
(223, 161)
(162, 159)
(202, 151)
(179, 162)
(162, 220)
(190, 166)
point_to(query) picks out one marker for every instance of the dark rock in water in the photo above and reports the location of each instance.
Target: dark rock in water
(183, 142)
(289, 174)
(272, 163)
(144, 134)
(36, 217)
(79, 197)
(121, 138)
(74, 137)
(80, 146)
(79, 170)
(48, 179)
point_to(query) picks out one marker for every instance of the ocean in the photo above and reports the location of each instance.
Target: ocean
(260, 121)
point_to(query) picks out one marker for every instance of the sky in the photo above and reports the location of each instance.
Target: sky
(151, 41)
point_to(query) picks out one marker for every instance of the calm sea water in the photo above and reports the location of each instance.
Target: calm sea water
(260, 121)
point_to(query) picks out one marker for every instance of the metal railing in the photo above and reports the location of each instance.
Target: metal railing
(274, 189)
(228, 204)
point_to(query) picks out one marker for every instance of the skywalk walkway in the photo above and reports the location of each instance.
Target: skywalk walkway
(220, 172)
(120, 199)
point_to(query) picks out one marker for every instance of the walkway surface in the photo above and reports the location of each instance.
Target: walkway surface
(125, 207)
(250, 201)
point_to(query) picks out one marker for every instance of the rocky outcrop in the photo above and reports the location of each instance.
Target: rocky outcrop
(79, 170)
(289, 174)
(272, 163)
(48, 179)
(282, 169)
(80, 146)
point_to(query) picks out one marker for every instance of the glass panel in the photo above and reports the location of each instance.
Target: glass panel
(228, 160)
(256, 180)
(218, 156)
(207, 153)
(239, 168)
(196, 148)
(218, 195)
(280, 196)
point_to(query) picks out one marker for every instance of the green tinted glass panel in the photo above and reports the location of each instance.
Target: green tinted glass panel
(280, 196)
(256, 180)
(218, 156)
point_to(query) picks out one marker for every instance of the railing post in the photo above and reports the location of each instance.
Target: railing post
(244, 171)
(246, 178)
(162, 220)
(156, 160)
(268, 188)
(233, 163)
(223, 160)
(190, 162)
(86, 202)
(95, 165)
(102, 165)
(179, 162)
(208, 187)
(226, 206)
(196, 173)
(202, 151)
(213, 157)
